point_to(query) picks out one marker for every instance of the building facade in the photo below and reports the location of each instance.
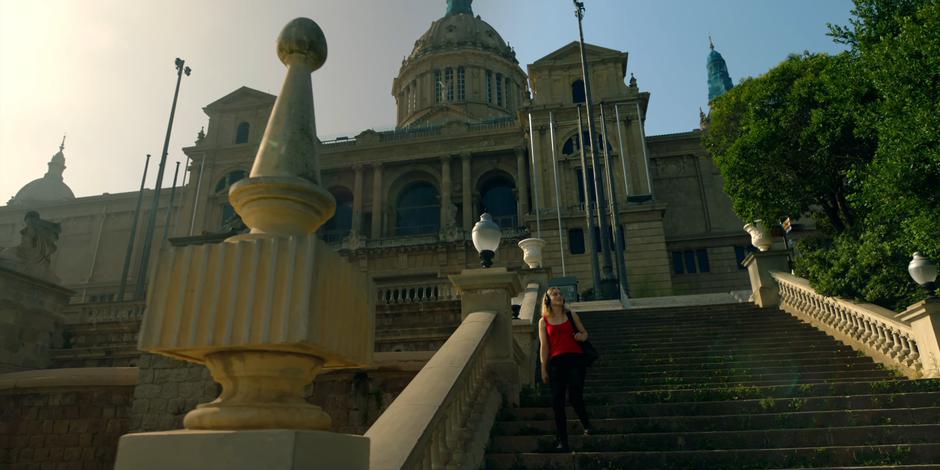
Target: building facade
(407, 199)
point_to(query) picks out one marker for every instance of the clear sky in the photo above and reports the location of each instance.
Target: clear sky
(101, 71)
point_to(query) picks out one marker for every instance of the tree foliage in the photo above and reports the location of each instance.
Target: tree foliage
(853, 140)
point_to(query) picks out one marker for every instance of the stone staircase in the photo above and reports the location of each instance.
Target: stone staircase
(727, 387)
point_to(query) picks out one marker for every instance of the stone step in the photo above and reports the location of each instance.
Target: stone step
(732, 371)
(724, 335)
(842, 359)
(752, 421)
(629, 350)
(737, 439)
(705, 380)
(745, 392)
(923, 399)
(729, 459)
(691, 359)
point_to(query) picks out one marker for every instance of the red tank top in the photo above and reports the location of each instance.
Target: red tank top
(561, 339)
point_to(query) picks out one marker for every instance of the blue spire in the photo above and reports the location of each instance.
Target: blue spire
(718, 80)
(459, 6)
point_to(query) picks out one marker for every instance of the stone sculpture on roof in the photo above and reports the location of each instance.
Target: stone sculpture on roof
(33, 256)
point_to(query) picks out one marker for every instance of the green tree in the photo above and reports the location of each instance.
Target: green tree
(788, 141)
(854, 141)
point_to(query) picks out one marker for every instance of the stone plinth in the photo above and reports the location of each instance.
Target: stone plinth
(275, 449)
(924, 318)
(265, 314)
(759, 266)
(29, 314)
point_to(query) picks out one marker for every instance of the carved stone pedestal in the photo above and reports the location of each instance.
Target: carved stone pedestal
(274, 449)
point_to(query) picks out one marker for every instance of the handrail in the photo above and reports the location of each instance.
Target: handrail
(427, 425)
(872, 329)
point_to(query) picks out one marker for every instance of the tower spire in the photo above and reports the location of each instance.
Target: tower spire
(62, 145)
(719, 81)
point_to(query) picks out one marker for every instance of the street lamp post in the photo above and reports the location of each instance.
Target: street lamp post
(148, 238)
(608, 288)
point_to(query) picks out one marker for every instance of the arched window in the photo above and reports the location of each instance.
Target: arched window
(577, 91)
(438, 86)
(461, 84)
(497, 196)
(229, 179)
(418, 210)
(241, 134)
(341, 223)
(573, 145)
(499, 90)
(489, 86)
(449, 83)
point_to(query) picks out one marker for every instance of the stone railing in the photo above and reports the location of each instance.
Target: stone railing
(868, 328)
(104, 312)
(442, 418)
(417, 292)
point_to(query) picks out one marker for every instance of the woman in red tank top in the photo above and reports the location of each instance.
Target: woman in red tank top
(563, 366)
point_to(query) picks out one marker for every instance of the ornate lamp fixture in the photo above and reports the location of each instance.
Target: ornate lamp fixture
(924, 273)
(486, 235)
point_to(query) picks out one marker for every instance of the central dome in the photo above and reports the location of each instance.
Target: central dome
(460, 70)
(458, 31)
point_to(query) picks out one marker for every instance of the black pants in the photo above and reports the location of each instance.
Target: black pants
(566, 373)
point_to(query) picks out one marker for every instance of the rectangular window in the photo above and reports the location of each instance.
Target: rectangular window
(702, 256)
(499, 89)
(689, 256)
(576, 241)
(489, 86)
(677, 266)
(438, 86)
(461, 85)
(449, 83)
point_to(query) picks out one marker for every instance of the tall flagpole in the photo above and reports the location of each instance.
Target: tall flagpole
(639, 122)
(535, 180)
(608, 286)
(151, 225)
(623, 156)
(561, 231)
(595, 270)
(133, 234)
(169, 210)
(617, 227)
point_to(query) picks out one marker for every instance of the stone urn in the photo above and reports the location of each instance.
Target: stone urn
(532, 251)
(759, 236)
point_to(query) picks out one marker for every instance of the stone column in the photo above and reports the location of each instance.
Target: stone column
(522, 185)
(377, 200)
(759, 266)
(266, 311)
(357, 199)
(467, 195)
(492, 289)
(446, 189)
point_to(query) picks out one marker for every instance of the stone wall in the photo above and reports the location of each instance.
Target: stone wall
(62, 428)
(29, 313)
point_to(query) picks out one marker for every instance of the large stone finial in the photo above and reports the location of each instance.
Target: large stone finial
(283, 196)
(276, 305)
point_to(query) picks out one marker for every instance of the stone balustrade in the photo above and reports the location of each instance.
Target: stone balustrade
(104, 312)
(868, 328)
(416, 292)
(442, 417)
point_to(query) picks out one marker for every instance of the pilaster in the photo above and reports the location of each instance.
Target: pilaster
(377, 200)
(467, 194)
(357, 199)
(522, 185)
